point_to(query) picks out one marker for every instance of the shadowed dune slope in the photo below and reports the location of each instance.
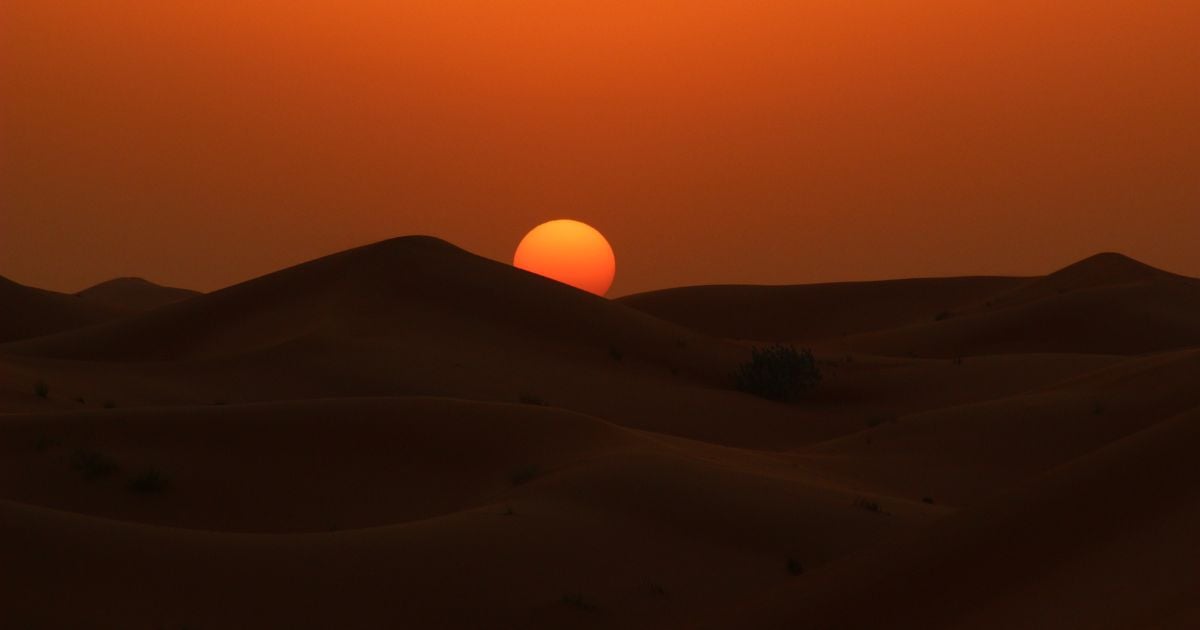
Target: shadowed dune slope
(960, 454)
(416, 287)
(815, 311)
(26, 312)
(507, 507)
(134, 294)
(1106, 304)
(1106, 541)
(416, 316)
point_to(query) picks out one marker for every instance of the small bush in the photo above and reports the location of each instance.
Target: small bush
(42, 443)
(524, 474)
(928, 500)
(530, 399)
(615, 353)
(794, 567)
(869, 505)
(576, 600)
(92, 464)
(148, 482)
(874, 421)
(778, 373)
(943, 315)
(110, 404)
(41, 389)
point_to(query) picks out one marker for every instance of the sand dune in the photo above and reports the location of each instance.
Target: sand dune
(27, 312)
(134, 294)
(1102, 542)
(1107, 303)
(406, 434)
(962, 453)
(812, 312)
(510, 507)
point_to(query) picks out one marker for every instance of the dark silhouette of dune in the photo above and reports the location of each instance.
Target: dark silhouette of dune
(26, 312)
(1108, 304)
(134, 294)
(406, 434)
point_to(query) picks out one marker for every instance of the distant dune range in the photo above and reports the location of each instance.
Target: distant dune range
(135, 294)
(408, 434)
(1107, 304)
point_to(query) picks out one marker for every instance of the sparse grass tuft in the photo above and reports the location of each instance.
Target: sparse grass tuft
(524, 474)
(148, 482)
(92, 464)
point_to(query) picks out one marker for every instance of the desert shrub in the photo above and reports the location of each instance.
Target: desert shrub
(869, 505)
(524, 474)
(92, 464)
(531, 399)
(41, 389)
(576, 600)
(43, 443)
(148, 482)
(778, 373)
(874, 421)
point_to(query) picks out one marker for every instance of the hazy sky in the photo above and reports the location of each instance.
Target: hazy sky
(200, 143)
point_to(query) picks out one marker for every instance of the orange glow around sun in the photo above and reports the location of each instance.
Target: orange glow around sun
(569, 251)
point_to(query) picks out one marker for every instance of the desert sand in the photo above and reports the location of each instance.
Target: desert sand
(410, 435)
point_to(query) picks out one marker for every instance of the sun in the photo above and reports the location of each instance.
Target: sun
(571, 252)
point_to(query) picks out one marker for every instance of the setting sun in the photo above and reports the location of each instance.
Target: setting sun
(569, 251)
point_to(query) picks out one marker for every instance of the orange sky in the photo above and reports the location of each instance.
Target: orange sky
(711, 141)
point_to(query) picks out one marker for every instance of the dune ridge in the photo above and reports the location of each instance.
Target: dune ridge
(408, 434)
